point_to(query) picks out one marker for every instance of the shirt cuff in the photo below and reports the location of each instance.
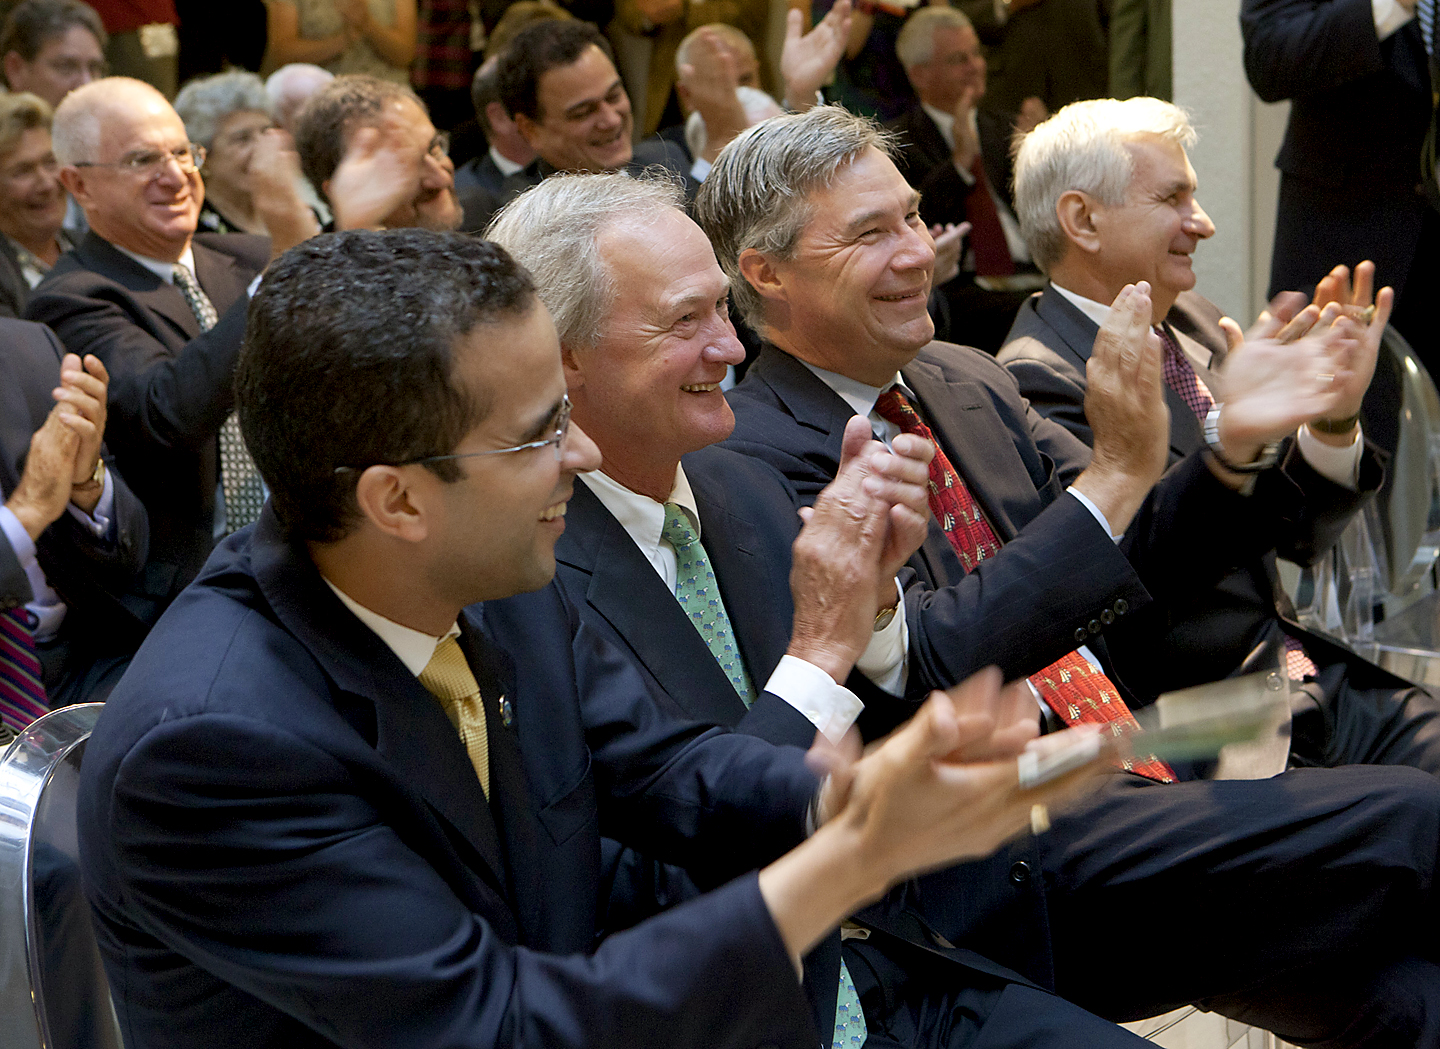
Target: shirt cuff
(254, 285)
(1389, 16)
(98, 521)
(883, 660)
(1341, 465)
(1095, 512)
(20, 540)
(700, 169)
(831, 708)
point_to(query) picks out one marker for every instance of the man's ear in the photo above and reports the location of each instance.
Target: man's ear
(14, 66)
(574, 373)
(73, 179)
(1077, 213)
(760, 272)
(387, 499)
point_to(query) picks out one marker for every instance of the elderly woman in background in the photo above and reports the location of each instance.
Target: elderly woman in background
(32, 201)
(227, 113)
(376, 37)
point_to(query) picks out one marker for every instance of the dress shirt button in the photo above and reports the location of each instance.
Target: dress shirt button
(1020, 872)
(1094, 626)
(1121, 606)
(1080, 635)
(1107, 617)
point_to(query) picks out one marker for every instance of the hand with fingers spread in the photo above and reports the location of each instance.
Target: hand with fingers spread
(863, 527)
(941, 789)
(808, 59)
(274, 176)
(1125, 403)
(376, 175)
(1362, 315)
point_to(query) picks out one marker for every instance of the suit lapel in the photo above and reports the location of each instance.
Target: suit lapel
(626, 590)
(978, 444)
(1077, 336)
(756, 593)
(412, 732)
(150, 291)
(808, 400)
(217, 275)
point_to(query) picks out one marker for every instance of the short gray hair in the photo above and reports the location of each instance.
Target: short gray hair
(75, 133)
(757, 194)
(205, 102)
(290, 87)
(552, 229)
(1082, 147)
(916, 43)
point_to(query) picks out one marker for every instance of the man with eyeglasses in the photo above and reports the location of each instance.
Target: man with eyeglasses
(162, 308)
(404, 174)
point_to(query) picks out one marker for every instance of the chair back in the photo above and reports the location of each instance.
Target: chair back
(53, 992)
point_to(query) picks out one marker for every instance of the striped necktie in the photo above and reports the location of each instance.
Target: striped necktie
(239, 480)
(1425, 13)
(1078, 692)
(22, 693)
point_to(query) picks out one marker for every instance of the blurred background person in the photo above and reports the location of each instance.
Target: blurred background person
(1054, 51)
(32, 200)
(144, 42)
(226, 114)
(51, 47)
(290, 87)
(375, 37)
(507, 151)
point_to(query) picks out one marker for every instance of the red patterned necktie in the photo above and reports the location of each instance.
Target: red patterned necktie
(987, 236)
(22, 694)
(1180, 376)
(1077, 692)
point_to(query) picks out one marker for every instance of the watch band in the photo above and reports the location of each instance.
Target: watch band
(1269, 454)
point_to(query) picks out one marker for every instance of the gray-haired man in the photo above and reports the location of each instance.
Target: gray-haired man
(819, 234)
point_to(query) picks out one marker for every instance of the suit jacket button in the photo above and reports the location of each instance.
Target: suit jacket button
(1121, 606)
(1080, 635)
(1106, 616)
(1094, 626)
(1020, 872)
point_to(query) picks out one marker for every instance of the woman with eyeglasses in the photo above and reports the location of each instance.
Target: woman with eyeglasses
(227, 115)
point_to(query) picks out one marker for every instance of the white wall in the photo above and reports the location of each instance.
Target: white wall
(1234, 159)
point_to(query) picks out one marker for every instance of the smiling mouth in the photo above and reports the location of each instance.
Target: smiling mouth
(550, 513)
(701, 387)
(900, 297)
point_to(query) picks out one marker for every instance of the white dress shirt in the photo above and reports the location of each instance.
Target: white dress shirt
(412, 647)
(1389, 16)
(1009, 225)
(831, 708)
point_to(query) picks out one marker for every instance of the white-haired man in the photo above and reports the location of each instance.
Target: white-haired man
(827, 256)
(1108, 196)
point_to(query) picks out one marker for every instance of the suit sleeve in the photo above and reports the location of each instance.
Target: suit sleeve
(1295, 48)
(297, 890)
(156, 398)
(1051, 392)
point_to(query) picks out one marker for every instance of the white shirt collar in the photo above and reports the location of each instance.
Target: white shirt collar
(162, 269)
(412, 647)
(642, 517)
(1098, 312)
(505, 164)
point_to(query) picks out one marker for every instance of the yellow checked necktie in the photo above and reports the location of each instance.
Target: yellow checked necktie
(449, 678)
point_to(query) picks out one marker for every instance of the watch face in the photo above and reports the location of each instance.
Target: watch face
(884, 618)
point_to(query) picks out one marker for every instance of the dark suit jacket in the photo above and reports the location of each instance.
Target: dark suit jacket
(925, 161)
(170, 386)
(748, 524)
(479, 172)
(14, 289)
(93, 576)
(1054, 51)
(1337, 203)
(284, 841)
(481, 204)
(1059, 580)
(1213, 632)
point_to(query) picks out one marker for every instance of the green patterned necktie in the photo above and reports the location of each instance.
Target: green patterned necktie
(699, 595)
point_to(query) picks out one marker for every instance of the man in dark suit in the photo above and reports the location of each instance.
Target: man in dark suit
(557, 80)
(74, 537)
(820, 238)
(1348, 711)
(1352, 64)
(507, 151)
(126, 160)
(957, 154)
(384, 751)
